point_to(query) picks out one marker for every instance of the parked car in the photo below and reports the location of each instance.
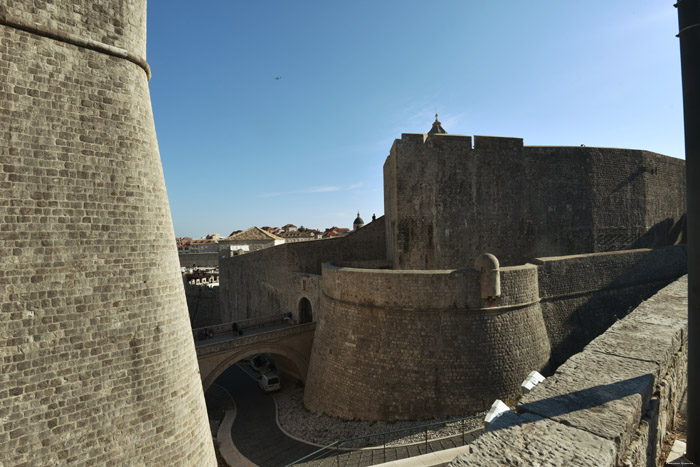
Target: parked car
(269, 382)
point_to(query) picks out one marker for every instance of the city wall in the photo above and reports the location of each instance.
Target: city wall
(610, 405)
(203, 305)
(421, 344)
(393, 344)
(447, 202)
(98, 361)
(582, 295)
(276, 279)
(199, 260)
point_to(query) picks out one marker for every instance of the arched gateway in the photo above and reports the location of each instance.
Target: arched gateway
(305, 311)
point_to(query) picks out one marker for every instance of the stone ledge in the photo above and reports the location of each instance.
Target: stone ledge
(531, 440)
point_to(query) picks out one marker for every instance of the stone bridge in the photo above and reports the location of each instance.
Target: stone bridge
(291, 347)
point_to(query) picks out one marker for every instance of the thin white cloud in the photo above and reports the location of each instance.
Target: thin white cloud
(323, 189)
(320, 189)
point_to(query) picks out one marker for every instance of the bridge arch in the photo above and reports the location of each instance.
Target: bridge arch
(293, 361)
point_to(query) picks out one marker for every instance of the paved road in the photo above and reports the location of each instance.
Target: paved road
(255, 432)
(257, 436)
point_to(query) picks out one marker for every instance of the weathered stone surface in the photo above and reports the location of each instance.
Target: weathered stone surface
(599, 393)
(599, 289)
(274, 280)
(529, 440)
(632, 338)
(98, 361)
(203, 305)
(445, 204)
(394, 344)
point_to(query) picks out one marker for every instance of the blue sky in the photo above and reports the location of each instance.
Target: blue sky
(240, 148)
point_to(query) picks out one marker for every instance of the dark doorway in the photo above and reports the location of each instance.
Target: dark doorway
(305, 311)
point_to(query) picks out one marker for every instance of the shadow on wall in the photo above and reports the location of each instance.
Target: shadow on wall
(578, 316)
(663, 233)
(584, 399)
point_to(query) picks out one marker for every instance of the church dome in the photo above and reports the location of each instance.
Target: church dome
(358, 222)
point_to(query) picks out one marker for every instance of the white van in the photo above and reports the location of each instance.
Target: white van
(269, 382)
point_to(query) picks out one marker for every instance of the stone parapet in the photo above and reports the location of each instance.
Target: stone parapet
(396, 345)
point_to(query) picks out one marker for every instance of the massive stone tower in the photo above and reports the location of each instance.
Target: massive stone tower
(98, 363)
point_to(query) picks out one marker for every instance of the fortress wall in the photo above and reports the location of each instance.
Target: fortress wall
(259, 283)
(638, 198)
(303, 285)
(99, 365)
(120, 24)
(391, 210)
(612, 404)
(447, 203)
(254, 284)
(420, 183)
(199, 260)
(583, 295)
(365, 244)
(665, 216)
(408, 344)
(203, 305)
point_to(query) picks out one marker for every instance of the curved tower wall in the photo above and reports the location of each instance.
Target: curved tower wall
(395, 344)
(98, 358)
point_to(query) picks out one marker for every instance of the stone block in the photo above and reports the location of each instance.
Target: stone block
(530, 440)
(598, 393)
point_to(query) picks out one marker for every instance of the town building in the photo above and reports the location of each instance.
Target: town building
(252, 239)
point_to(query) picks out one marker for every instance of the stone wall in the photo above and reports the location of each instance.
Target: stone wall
(269, 282)
(395, 345)
(203, 305)
(610, 405)
(446, 202)
(253, 285)
(304, 286)
(582, 295)
(98, 360)
(419, 343)
(199, 260)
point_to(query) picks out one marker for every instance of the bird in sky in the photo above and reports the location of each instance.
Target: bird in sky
(278, 78)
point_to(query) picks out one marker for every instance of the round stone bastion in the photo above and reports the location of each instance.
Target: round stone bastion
(98, 360)
(418, 344)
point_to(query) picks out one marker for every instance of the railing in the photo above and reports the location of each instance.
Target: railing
(238, 326)
(335, 448)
